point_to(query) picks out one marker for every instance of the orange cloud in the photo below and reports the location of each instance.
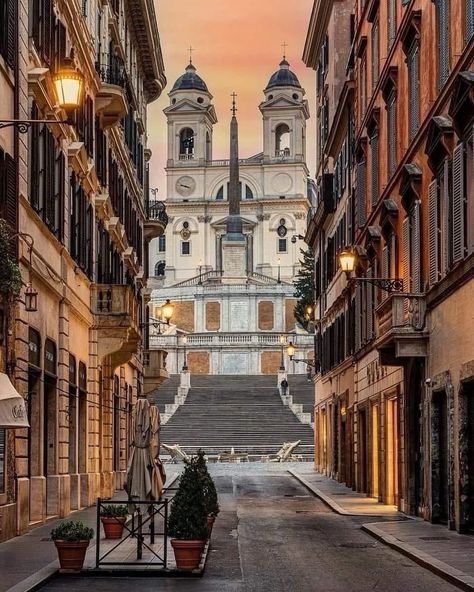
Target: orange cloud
(238, 46)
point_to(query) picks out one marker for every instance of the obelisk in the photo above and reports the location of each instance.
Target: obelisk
(234, 244)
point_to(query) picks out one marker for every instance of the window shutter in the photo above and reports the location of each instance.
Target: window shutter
(413, 74)
(393, 267)
(415, 254)
(375, 53)
(406, 254)
(391, 134)
(392, 23)
(458, 234)
(361, 183)
(385, 267)
(469, 18)
(433, 232)
(10, 212)
(370, 306)
(446, 217)
(374, 168)
(358, 309)
(443, 41)
(11, 33)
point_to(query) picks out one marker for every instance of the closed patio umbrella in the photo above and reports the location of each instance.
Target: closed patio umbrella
(12, 406)
(155, 443)
(143, 481)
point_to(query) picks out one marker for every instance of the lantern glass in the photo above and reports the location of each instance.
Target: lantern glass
(68, 84)
(167, 310)
(31, 299)
(290, 350)
(347, 260)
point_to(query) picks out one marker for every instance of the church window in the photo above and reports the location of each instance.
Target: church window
(270, 97)
(282, 245)
(248, 192)
(185, 247)
(200, 100)
(282, 140)
(160, 268)
(186, 225)
(186, 143)
(295, 96)
(220, 193)
(162, 243)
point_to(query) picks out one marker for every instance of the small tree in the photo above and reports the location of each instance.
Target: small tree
(10, 276)
(304, 287)
(209, 488)
(188, 516)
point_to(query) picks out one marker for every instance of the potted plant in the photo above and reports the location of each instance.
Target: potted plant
(71, 538)
(187, 522)
(113, 518)
(209, 489)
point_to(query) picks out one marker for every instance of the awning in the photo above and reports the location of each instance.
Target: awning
(12, 405)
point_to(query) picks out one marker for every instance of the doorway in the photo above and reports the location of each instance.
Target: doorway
(362, 438)
(392, 451)
(466, 457)
(374, 456)
(439, 458)
(414, 446)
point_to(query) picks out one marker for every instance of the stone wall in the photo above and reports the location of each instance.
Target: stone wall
(213, 316)
(184, 315)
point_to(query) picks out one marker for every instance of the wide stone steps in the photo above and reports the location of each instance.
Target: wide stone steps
(245, 413)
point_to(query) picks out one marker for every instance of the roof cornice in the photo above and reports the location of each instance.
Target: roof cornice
(317, 28)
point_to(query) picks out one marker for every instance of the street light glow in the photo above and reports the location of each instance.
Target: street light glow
(167, 310)
(347, 260)
(68, 84)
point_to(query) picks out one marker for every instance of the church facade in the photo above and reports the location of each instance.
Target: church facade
(234, 299)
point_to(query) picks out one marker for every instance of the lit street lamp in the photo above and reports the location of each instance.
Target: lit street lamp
(282, 340)
(200, 271)
(290, 350)
(279, 271)
(347, 260)
(184, 341)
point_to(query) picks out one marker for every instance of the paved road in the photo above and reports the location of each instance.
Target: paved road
(272, 536)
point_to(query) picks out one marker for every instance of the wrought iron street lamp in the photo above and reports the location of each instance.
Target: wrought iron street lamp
(282, 340)
(31, 295)
(69, 84)
(200, 272)
(184, 341)
(167, 310)
(279, 270)
(347, 261)
(290, 350)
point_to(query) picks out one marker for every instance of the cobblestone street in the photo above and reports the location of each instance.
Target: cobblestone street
(274, 536)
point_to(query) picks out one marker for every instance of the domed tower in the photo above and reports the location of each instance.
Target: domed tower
(191, 117)
(285, 111)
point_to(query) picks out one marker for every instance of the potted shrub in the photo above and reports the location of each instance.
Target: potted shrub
(71, 538)
(187, 522)
(113, 518)
(209, 489)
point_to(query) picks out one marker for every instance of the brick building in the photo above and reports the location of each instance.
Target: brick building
(394, 404)
(78, 190)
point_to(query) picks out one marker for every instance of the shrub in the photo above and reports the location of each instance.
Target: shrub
(10, 276)
(113, 511)
(209, 488)
(71, 530)
(188, 516)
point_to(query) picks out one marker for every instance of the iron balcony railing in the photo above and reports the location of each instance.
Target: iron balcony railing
(156, 210)
(112, 73)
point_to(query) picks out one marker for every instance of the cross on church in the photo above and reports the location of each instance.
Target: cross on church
(191, 49)
(284, 45)
(234, 108)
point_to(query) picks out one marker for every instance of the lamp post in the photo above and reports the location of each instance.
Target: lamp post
(282, 340)
(200, 272)
(69, 85)
(347, 260)
(290, 350)
(31, 295)
(166, 313)
(279, 270)
(184, 341)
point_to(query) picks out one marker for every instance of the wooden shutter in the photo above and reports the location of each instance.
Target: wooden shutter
(469, 19)
(413, 74)
(446, 217)
(374, 169)
(385, 267)
(11, 200)
(433, 232)
(11, 32)
(406, 255)
(458, 203)
(375, 53)
(369, 315)
(361, 184)
(358, 308)
(415, 253)
(392, 22)
(443, 40)
(391, 133)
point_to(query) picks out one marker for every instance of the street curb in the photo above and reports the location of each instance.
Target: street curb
(49, 571)
(445, 571)
(334, 506)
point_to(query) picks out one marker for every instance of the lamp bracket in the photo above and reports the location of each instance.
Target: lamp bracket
(386, 284)
(23, 125)
(312, 363)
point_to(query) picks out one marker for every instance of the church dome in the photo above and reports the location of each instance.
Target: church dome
(284, 77)
(190, 81)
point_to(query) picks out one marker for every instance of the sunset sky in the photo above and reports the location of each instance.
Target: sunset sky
(238, 45)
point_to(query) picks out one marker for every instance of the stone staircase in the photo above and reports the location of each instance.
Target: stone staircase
(243, 412)
(301, 398)
(167, 398)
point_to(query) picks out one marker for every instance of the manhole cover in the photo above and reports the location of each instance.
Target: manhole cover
(357, 545)
(428, 538)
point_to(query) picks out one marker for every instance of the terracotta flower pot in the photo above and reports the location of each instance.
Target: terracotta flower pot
(113, 526)
(71, 554)
(187, 553)
(210, 524)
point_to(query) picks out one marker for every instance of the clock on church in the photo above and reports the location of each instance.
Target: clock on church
(185, 185)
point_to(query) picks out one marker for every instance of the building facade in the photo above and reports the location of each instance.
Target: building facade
(81, 197)
(188, 262)
(400, 428)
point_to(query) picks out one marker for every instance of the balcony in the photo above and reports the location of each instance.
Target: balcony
(401, 328)
(154, 372)
(111, 100)
(116, 321)
(157, 219)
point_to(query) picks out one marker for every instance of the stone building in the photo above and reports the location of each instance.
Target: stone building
(78, 189)
(401, 427)
(223, 313)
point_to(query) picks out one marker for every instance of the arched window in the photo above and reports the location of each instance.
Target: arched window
(186, 143)
(160, 269)
(220, 193)
(282, 140)
(248, 192)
